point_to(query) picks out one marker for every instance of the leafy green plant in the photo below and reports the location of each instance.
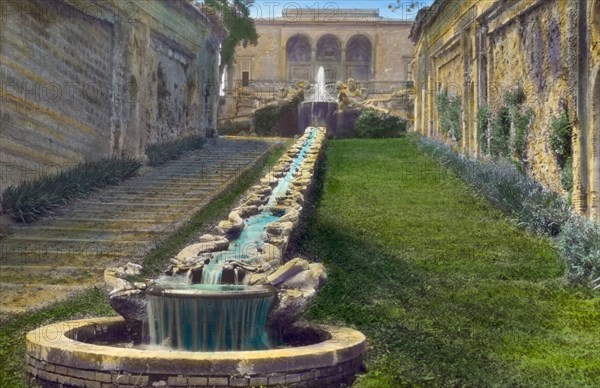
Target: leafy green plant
(521, 119)
(483, 120)
(561, 143)
(450, 113)
(579, 246)
(515, 116)
(375, 124)
(500, 139)
(160, 153)
(30, 200)
(234, 128)
(267, 117)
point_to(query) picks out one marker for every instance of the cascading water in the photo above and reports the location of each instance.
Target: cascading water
(209, 318)
(212, 316)
(254, 232)
(319, 108)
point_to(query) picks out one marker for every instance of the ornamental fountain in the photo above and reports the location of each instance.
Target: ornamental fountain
(225, 313)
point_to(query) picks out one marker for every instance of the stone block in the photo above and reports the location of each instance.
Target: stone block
(177, 381)
(218, 381)
(239, 381)
(198, 381)
(103, 377)
(258, 381)
(277, 379)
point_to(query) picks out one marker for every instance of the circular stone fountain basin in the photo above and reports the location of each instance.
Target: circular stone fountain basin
(79, 354)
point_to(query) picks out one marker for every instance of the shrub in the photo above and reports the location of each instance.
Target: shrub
(450, 113)
(375, 124)
(500, 139)
(30, 200)
(513, 115)
(266, 118)
(579, 246)
(561, 143)
(160, 153)
(483, 120)
(234, 128)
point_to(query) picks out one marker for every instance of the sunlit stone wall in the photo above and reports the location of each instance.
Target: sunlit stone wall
(479, 50)
(85, 79)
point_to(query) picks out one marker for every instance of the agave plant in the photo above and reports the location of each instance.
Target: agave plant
(30, 200)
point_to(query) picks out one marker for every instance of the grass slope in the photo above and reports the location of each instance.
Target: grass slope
(447, 290)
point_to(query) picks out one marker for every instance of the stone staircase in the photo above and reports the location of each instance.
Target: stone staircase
(54, 257)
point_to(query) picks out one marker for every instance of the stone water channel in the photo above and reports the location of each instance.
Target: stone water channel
(317, 356)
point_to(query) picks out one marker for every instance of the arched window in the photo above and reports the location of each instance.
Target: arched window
(359, 53)
(329, 48)
(298, 49)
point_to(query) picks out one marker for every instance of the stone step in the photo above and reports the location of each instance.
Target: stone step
(48, 274)
(44, 262)
(74, 256)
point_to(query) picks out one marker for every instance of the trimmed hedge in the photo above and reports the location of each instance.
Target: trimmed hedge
(374, 124)
(265, 119)
(30, 200)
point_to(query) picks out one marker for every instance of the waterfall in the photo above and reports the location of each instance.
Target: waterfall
(215, 322)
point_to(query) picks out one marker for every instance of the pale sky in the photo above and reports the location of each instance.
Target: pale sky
(266, 9)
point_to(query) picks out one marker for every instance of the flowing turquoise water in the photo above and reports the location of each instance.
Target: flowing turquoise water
(213, 316)
(210, 318)
(254, 233)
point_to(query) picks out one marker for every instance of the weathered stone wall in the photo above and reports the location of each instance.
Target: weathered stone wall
(547, 48)
(85, 79)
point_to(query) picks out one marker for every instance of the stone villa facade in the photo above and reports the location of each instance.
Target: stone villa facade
(348, 43)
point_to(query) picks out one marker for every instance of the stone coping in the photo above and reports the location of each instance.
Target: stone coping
(52, 344)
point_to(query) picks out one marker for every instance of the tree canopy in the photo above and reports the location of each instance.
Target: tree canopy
(237, 19)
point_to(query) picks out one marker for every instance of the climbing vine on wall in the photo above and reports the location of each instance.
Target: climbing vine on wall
(509, 128)
(483, 121)
(561, 132)
(450, 114)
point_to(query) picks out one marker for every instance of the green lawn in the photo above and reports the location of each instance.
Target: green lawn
(448, 292)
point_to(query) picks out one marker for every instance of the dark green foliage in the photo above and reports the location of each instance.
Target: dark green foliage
(483, 120)
(30, 200)
(241, 27)
(160, 153)
(234, 128)
(513, 115)
(521, 119)
(374, 124)
(561, 134)
(500, 139)
(507, 188)
(266, 118)
(450, 114)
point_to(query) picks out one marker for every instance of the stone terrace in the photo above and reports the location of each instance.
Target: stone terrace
(48, 260)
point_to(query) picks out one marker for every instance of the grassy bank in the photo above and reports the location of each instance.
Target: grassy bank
(448, 291)
(92, 302)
